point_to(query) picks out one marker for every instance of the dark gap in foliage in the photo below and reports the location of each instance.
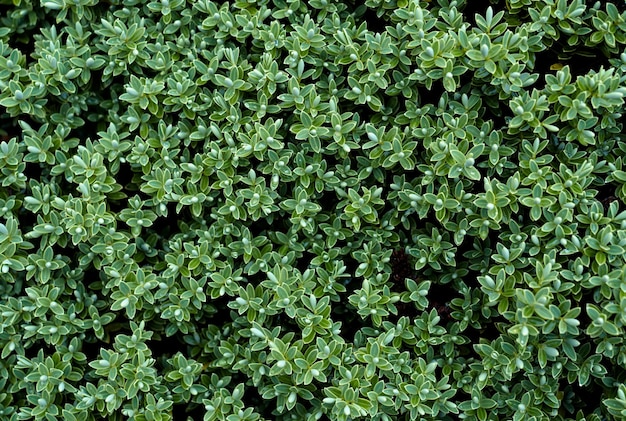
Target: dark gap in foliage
(606, 195)
(95, 121)
(374, 22)
(364, 112)
(124, 178)
(395, 105)
(7, 131)
(402, 267)
(585, 60)
(25, 42)
(470, 8)
(332, 161)
(499, 119)
(91, 347)
(95, 85)
(260, 227)
(586, 297)
(585, 398)
(522, 216)
(619, 4)
(220, 317)
(580, 62)
(466, 246)
(92, 284)
(253, 399)
(430, 96)
(286, 323)
(494, 236)
(164, 347)
(118, 326)
(303, 262)
(350, 320)
(34, 171)
(351, 265)
(32, 351)
(12, 127)
(439, 298)
(494, 109)
(606, 202)
(247, 49)
(181, 411)
(168, 225)
(133, 182)
(462, 395)
(27, 218)
(488, 330)
(344, 312)
(329, 200)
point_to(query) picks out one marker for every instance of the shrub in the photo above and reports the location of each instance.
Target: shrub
(395, 210)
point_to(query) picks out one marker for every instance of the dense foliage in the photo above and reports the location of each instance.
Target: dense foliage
(292, 210)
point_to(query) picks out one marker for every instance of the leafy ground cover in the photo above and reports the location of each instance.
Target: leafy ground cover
(278, 210)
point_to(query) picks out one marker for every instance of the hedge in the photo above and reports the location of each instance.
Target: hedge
(322, 210)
